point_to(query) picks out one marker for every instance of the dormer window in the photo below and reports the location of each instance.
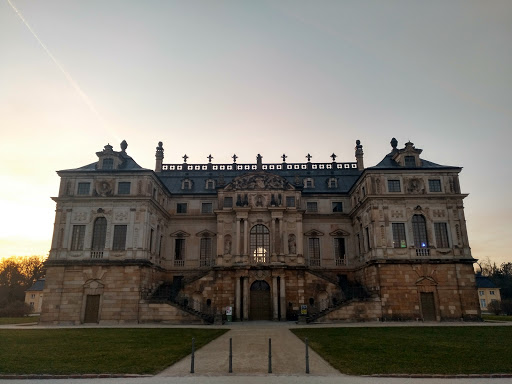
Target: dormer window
(309, 183)
(332, 182)
(186, 184)
(107, 163)
(410, 161)
(210, 184)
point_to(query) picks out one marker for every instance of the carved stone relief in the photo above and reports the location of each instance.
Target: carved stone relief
(415, 186)
(104, 187)
(258, 181)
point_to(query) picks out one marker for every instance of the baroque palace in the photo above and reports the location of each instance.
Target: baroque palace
(192, 243)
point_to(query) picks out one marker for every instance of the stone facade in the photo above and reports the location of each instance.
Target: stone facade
(183, 243)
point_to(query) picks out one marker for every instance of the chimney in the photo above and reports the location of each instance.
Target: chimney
(159, 156)
(359, 155)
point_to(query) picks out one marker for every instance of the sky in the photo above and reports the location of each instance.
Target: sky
(248, 77)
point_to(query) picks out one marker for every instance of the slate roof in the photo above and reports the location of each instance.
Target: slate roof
(346, 177)
(128, 165)
(388, 163)
(484, 282)
(37, 286)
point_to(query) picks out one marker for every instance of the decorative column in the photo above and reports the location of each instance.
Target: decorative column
(237, 238)
(246, 237)
(273, 240)
(246, 298)
(281, 237)
(238, 300)
(300, 238)
(283, 298)
(275, 303)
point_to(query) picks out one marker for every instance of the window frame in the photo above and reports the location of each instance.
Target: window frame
(77, 238)
(99, 234)
(310, 205)
(226, 200)
(335, 205)
(314, 253)
(342, 256)
(205, 210)
(81, 192)
(121, 187)
(119, 237)
(399, 235)
(392, 185)
(290, 202)
(434, 185)
(419, 230)
(107, 163)
(259, 243)
(205, 251)
(181, 208)
(441, 235)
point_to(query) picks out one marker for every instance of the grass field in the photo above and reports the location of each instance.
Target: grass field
(19, 320)
(76, 351)
(427, 350)
(496, 318)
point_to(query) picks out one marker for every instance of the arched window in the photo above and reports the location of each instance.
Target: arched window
(260, 243)
(419, 230)
(99, 234)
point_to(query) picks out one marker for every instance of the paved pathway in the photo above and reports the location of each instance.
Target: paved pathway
(250, 342)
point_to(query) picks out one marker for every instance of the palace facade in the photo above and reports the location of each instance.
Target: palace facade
(190, 243)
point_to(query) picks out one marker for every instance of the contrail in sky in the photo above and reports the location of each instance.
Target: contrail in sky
(73, 83)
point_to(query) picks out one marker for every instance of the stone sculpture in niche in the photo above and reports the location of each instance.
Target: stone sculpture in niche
(292, 246)
(227, 245)
(415, 186)
(104, 187)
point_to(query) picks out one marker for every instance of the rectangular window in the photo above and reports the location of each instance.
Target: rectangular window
(181, 208)
(108, 164)
(339, 251)
(393, 185)
(210, 184)
(483, 304)
(84, 188)
(410, 161)
(179, 249)
(311, 206)
(31, 305)
(399, 235)
(333, 183)
(314, 251)
(290, 201)
(441, 235)
(491, 292)
(205, 256)
(337, 206)
(33, 296)
(206, 208)
(123, 188)
(309, 183)
(359, 244)
(368, 244)
(481, 293)
(119, 243)
(434, 185)
(77, 238)
(228, 202)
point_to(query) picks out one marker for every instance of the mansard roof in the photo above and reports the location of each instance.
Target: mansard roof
(292, 174)
(388, 163)
(484, 281)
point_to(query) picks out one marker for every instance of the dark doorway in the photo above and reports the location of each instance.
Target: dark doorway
(428, 307)
(92, 309)
(260, 301)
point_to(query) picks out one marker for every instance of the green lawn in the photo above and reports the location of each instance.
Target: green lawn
(77, 351)
(19, 320)
(413, 350)
(496, 318)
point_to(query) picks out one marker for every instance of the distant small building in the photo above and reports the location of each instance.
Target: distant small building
(487, 291)
(34, 296)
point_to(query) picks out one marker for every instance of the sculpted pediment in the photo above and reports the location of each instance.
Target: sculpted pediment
(259, 181)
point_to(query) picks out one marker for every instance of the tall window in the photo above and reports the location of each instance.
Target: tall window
(108, 163)
(399, 240)
(339, 251)
(179, 252)
(99, 234)
(332, 183)
(205, 256)
(77, 238)
(441, 232)
(434, 185)
(123, 188)
(119, 243)
(314, 251)
(393, 185)
(151, 235)
(290, 201)
(419, 230)
(84, 188)
(260, 243)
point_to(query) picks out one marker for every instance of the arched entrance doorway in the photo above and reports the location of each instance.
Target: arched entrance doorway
(260, 301)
